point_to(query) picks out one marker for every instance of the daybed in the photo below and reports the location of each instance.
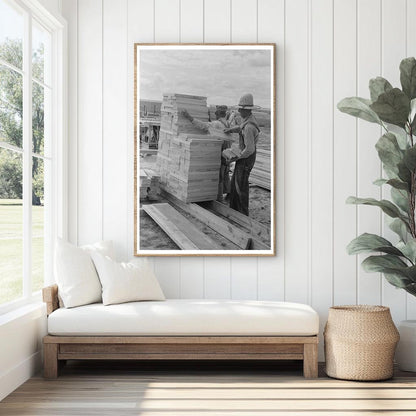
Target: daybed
(181, 329)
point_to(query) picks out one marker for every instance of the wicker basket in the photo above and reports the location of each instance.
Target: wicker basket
(360, 342)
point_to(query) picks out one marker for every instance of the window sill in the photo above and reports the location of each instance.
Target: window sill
(33, 307)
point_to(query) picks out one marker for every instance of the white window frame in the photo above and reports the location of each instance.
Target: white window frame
(58, 211)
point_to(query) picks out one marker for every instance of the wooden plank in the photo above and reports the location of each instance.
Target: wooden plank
(169, 227)
(368, 162)
(271, 270)
(229, 231)
(201, 240)
(115, 152)
(52, 339)
(345, 153)
(297, 221)
(182, 348)
(322, 159)
(178, 356)
(90, 121)
(256, 228)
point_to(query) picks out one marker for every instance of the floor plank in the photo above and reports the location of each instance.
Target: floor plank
(226, 389)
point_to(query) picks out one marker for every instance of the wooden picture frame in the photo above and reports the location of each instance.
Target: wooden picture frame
(177, 158)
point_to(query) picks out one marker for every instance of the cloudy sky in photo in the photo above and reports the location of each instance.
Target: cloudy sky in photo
(222, 76)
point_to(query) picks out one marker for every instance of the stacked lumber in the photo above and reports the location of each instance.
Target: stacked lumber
(261, 173)
(173, 121)
(188, 159)
(149, 185)
(194, 164)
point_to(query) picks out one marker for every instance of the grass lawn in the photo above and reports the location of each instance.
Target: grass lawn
(11, 249)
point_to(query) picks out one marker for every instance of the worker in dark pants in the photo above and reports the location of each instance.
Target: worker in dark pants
(244, 161)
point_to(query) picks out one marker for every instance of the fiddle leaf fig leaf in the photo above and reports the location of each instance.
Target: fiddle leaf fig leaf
(380, 182)
(408, 249)
(397, 280)
(398, 184)
(389, 151)
(392, 107)
(359, 107)
(378, 86)
(400, 228)
(400, 198)
(388, 207)
(381, 263)
(410, 158)
(366, 243)
(408, 77)
(402, 139)
(404, 173)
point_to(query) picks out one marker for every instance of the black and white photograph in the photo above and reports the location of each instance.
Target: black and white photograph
(205, 150)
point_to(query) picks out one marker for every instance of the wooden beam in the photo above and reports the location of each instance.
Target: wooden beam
(256, 229)
(221, 226)
(183, 242)
(168, 218)
(200, 239)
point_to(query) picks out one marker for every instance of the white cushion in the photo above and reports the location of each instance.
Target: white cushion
(126, 282)
(75, 273)
(183, 317)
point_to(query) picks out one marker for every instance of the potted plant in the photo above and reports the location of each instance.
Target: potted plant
(394, 109)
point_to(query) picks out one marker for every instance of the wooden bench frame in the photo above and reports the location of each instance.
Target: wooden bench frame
(58, 349)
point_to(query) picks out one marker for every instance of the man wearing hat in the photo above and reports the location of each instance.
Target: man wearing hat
(221, 123)
(249, 135)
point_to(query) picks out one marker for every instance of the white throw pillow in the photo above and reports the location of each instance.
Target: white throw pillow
(126, 282)
(75, 273)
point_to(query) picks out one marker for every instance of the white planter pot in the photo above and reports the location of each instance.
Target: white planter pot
(406, 350)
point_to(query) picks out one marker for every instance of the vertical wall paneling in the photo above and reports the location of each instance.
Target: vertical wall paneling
(217, 21)
(345, 151)
(244, 29)
(393, 51)
(368, 162)
(217, 26)
(167, 21)
(114, 124)
(167, 29)
(192, 21)
(244, 21)
(136, 33)
(321, 150)
(70, 11)
(411, 51)
(296, 152)
(192, 31)
(217, 278)
(192, 278)
(271, 29)
(90, 129)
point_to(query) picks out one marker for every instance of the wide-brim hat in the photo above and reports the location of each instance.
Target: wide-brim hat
(247, 102)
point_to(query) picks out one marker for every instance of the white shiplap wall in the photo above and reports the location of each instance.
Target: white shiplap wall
(326, 50)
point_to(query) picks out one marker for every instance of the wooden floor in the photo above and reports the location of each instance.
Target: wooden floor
(226, 389)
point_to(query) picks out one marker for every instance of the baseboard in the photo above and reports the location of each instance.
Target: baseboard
(10, 380)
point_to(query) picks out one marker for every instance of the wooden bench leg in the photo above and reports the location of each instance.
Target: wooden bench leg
(310, 360)
(50, 360)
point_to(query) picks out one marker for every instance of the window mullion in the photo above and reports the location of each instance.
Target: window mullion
(27, 157)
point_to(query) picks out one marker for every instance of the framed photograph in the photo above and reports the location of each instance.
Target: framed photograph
(204, 150)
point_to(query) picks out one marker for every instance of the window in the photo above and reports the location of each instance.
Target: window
(31, 141)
